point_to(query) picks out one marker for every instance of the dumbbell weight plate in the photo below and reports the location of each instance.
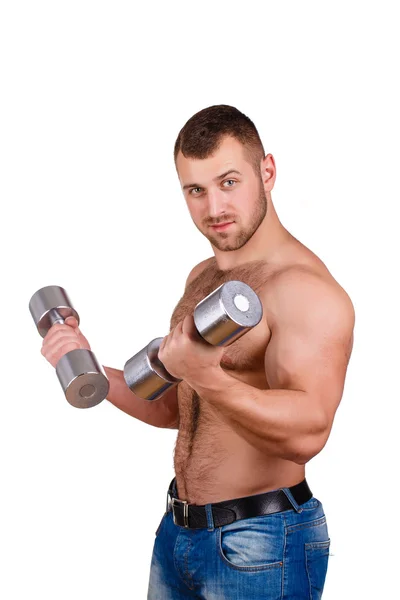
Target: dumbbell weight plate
(43, 303)
(145, 374)
(82, 378)
(227, 313)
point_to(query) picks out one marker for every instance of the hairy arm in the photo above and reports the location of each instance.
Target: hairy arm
(312, 323)
(160, 413)
(163, 412)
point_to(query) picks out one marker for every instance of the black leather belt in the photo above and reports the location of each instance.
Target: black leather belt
(193, 516)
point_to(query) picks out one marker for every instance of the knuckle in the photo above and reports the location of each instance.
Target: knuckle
(67, 338)
(69, 346)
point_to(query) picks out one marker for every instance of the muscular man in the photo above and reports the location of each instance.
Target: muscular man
(241, 521)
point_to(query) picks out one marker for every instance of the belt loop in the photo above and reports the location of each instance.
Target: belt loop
(210, 519)
(293, 502)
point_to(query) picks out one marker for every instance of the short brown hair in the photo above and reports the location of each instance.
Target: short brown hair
(202, 134)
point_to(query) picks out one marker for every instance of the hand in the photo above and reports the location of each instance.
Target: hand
(61, 339)
(187, 356)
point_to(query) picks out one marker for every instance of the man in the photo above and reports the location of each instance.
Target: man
(241, 521)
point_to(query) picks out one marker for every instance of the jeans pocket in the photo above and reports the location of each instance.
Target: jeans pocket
(317, 555)
(253, 544)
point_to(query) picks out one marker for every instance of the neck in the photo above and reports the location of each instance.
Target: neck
(264, 245)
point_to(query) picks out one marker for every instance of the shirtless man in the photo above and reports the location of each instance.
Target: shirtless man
(241, 521)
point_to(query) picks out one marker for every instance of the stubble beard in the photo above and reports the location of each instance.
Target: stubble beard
(243, 235)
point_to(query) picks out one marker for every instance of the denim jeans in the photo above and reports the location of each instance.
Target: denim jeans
(278, 556)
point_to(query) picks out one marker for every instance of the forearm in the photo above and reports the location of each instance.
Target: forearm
(282, 423)
(159, 413)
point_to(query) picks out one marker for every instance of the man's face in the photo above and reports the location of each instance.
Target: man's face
(226, 199)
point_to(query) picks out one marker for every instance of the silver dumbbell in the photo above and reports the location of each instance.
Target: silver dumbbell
(81, 376)
(220, 318)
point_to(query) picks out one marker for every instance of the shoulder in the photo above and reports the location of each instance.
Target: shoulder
(198, 269)
(301, 291)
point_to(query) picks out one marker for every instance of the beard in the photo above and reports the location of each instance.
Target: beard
(244, 234)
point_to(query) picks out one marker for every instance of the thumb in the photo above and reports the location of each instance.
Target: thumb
(72, 322)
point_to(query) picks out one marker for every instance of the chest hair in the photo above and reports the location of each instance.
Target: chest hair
(244, 354)
(254, 274)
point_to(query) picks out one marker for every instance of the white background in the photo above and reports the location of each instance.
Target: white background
(93, 95)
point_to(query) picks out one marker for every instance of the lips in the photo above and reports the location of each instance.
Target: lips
(222, 226)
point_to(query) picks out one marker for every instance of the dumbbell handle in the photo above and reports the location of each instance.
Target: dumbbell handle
(55, 317)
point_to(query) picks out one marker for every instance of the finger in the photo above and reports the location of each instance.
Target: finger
(188, 326)
(178, 330)
(190, 329)
(61, 347)
(64, 332)
(163, 343)
(54, 356)
(61, 338)
(55, 330)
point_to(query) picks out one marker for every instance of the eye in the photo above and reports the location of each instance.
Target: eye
(230, 181)
(195, 190)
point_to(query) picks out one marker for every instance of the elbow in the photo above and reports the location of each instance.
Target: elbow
(304, 454)
(302, 458)
(309, 446)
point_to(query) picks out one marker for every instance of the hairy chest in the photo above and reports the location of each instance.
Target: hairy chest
(246, 353)
(244, 358)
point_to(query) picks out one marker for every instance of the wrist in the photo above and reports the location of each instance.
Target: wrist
(214, 380)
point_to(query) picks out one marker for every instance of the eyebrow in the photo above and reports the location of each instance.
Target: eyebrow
(218, 177)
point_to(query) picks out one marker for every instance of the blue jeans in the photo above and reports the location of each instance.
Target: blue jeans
(279, 556)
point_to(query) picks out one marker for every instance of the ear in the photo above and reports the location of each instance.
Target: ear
(268, 172)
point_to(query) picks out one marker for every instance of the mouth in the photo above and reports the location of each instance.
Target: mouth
(222, 226)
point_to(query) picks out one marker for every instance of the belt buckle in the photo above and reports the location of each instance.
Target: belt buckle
(174, 501)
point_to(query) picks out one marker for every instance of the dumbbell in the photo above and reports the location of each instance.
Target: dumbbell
(221, 318)
(81, 376)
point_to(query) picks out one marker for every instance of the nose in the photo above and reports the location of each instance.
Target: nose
(216, 203)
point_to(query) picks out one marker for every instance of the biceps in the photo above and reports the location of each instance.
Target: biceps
(288, 359)
(307, 363)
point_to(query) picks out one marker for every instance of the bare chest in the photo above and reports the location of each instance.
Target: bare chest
(246, 353)
(244, 358)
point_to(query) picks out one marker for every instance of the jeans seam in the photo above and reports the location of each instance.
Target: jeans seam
(318, 545)
(300, 526)
(283, 558)
(177, 567)
(188, 575)
(308, 573)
